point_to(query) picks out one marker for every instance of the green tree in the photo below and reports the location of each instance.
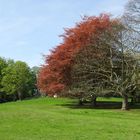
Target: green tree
(18, 79)
(3, 65)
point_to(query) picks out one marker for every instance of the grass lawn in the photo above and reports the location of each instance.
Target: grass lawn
(60, 119)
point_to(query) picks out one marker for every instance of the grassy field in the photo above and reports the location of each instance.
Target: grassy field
(61, 119)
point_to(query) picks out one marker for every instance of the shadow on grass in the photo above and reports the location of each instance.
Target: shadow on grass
(99, 105)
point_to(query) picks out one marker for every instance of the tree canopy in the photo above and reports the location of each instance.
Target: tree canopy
(17, 79)
(55, 75)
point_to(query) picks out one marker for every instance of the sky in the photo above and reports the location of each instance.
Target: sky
(29, 29)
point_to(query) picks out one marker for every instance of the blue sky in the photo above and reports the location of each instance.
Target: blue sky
(30, 28)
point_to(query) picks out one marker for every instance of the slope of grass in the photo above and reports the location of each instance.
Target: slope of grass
(57, 119)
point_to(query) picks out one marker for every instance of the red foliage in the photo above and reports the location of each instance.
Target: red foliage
(55, 75)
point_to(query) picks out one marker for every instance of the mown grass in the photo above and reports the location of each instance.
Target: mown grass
(61, 119)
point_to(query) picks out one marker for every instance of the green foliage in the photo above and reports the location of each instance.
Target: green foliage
(35, 69)
(3, 64)
(17, 79)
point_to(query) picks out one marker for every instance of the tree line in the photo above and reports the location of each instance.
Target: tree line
(100, 56)
(17, 80)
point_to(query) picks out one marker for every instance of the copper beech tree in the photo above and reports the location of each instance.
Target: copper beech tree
(92, 58)
(55, 74)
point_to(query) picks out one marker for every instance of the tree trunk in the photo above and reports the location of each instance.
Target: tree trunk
(19, 95)
(133, 100)
(138, 99)
(80, 102)
(14, 97)
(93, 101)
(125, 103)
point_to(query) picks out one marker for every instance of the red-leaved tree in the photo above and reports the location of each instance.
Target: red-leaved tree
(55, 74)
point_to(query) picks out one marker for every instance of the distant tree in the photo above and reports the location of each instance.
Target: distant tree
(35, 69)
(18, 79)
(3, 65)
